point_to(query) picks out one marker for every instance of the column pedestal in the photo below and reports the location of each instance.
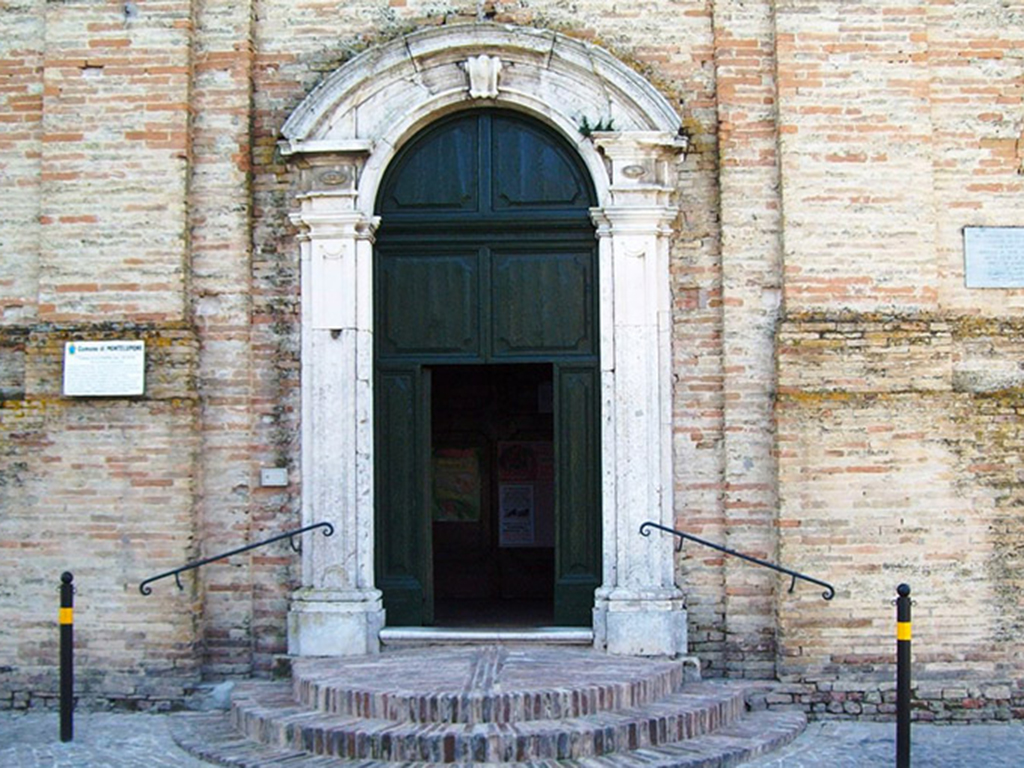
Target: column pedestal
(637, 623)
(325, 622)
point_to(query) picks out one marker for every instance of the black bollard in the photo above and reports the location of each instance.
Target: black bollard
(67, 657)
(903, 676)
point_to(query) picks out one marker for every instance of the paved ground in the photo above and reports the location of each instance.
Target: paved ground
(833, 744)
(105, 740)
(101, 740)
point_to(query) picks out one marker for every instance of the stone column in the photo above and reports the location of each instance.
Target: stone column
(337, 611)
(639, 610)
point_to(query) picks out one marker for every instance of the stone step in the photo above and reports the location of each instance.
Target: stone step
(419, 637)
(504, 705)
(495, 684)
(266, 713)
(210, 737)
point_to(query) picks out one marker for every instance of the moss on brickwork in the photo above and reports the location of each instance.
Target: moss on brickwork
(925, 450)
(991, 452)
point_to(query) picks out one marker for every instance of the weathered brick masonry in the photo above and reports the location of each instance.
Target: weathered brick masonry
(841, 401)
(899, 124)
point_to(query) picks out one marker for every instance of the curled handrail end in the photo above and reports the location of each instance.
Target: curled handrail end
(327, 527)
(828, 594)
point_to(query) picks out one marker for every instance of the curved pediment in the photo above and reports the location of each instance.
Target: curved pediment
(418, 76)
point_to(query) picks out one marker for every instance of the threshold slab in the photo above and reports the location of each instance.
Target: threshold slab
(540, 635)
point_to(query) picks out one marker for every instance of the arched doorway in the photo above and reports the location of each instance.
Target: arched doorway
(486, 368)
(340, 142)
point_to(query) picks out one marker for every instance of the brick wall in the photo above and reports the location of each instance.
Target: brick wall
(94, 130)
(104, 489)
(21, 104)
(222, 296)
(114, 162)
(750, 267)
(841, 401)
(898, 387)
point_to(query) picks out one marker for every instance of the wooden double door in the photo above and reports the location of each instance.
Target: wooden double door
(487, 435)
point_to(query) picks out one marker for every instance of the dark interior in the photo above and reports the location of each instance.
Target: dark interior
(493, 495)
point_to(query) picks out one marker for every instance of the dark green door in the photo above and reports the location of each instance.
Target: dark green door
(486, 255)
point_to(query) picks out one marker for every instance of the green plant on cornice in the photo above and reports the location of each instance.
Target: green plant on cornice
(586, 128)
(686, 133)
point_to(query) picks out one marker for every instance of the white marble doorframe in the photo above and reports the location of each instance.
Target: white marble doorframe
(340, 140)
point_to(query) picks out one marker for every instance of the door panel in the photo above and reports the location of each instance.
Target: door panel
(428, 303)
(542, 302)
(420, 188)
(531, 171)
(577, 546)
(402, 530)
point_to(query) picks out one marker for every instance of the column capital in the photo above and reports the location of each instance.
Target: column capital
(641, 166)
(613, 220)
(325, 216)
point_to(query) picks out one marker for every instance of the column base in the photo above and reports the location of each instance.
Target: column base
(632, 624)
(324, 622)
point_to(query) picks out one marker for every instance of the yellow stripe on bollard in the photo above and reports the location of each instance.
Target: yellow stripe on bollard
(66, 615)
(902, 630)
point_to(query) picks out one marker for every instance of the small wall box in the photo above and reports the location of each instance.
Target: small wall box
(273, 477)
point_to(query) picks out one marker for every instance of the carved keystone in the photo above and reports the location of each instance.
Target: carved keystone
(483, 76)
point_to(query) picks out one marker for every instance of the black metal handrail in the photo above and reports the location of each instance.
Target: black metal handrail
(290, 535)
(828, 595)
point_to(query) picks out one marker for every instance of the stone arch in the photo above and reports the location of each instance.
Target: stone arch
(340, 140)
(386, 94)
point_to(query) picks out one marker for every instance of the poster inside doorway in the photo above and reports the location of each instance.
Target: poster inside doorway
(526, 494)
(457, 485)
(515, 502)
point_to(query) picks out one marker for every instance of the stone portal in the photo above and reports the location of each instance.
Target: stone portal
(341, 139)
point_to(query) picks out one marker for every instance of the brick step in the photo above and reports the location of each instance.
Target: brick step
(265, 712)
(457, 685)
(210, 737)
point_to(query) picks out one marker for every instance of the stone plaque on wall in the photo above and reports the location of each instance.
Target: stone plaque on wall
(994, 257)
(104, 368)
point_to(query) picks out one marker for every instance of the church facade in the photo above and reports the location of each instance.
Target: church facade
(486, 286)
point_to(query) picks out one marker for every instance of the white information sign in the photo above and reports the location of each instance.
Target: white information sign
(994, 257)
(98, 368)
(515, 505)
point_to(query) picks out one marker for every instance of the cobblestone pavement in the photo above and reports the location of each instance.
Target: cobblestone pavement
(835, 744)
(101, 740)
(105, 740)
